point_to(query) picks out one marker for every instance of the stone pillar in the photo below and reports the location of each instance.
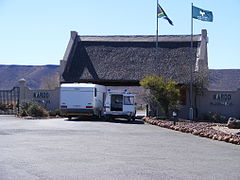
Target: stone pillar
(23, 87)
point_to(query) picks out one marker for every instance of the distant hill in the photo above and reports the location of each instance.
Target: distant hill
(34, 75)
(39, 77)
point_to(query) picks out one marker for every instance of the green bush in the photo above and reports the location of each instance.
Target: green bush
(37, 111)
(32, 109)
(56, 112)
(162, 91)
(214, 117)
(24, 106)
(3, 107)
(24, 113)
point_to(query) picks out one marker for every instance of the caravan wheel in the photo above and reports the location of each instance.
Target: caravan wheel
(133, 118)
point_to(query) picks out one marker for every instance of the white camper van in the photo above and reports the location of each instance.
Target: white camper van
(82, 99)
(120, 104)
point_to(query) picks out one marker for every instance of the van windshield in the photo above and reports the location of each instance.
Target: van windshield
(128, 100)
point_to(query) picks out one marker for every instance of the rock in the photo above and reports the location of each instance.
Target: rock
(231, 140)
(233, 123)
(215, 137)
(190, 130)
(187, 131)
(168, 126)
(235, 140)
(226, 138)
(183, 129)
(200, 129)
(220, 138)
(176, 129)
(165, 125)
(195, 132)
(210, 135)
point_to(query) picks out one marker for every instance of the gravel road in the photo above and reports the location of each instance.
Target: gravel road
(87, 149)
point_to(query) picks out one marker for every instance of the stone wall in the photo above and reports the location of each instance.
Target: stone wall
(224, 103)
(49, 99)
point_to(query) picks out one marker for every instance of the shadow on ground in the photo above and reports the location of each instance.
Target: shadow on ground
(124, 121)
(95, 119)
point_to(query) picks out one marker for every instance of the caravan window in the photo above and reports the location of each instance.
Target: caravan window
(128, 100)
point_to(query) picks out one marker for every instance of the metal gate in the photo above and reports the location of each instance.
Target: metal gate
(9, 101)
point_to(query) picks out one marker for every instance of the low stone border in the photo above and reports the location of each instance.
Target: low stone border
(202, 129)
(34, 118)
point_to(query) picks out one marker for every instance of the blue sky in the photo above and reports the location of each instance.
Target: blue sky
(37, 32)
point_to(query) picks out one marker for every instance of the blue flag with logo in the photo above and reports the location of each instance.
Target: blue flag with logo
(161, 13)
(201, 14)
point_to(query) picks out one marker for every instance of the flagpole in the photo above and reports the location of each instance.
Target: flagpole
(156, 52)
(157, 31)
(191, 68)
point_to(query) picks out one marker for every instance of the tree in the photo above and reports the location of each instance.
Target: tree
(162, 91)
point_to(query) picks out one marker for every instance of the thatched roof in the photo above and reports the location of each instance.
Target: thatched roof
(124, 60)
(224, 79)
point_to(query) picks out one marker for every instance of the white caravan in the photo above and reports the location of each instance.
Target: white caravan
(120, 104)
(82, 99)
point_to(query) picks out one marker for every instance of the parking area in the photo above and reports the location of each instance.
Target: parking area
(93, 149)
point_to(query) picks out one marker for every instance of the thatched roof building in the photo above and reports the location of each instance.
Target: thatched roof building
(125, 60)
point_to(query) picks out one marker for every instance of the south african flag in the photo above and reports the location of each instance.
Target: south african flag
(161, 13)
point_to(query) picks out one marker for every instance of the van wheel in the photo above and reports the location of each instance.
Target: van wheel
(108, 118)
